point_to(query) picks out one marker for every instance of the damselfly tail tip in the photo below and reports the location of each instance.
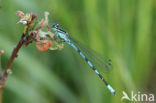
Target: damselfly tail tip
(114, 93)
(111, 90)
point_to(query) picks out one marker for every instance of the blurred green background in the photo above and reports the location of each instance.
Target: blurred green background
(123, 30)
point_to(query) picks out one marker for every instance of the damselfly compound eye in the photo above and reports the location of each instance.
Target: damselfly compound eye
(55, 25)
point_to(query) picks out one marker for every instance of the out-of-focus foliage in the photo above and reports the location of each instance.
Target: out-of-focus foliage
(123, 30)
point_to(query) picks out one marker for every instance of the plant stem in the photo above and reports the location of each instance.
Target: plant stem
(8, 67)
(13, 56)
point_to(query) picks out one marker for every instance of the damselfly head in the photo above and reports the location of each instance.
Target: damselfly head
(55, 25)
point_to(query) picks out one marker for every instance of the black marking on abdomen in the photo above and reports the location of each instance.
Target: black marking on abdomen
(86, 59)
(78, 50)
(103, 79)
(90, 64)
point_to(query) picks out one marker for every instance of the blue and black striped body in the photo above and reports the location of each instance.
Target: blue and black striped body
(62, 34)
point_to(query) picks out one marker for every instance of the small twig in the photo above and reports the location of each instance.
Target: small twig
(13, 56)
(7, 69)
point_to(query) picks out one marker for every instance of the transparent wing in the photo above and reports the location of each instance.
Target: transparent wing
(97, 60)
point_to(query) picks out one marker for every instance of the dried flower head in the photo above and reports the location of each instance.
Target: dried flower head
(20, 14)
(25, 18)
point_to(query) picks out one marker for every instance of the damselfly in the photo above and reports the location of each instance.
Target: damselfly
(61, 34)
